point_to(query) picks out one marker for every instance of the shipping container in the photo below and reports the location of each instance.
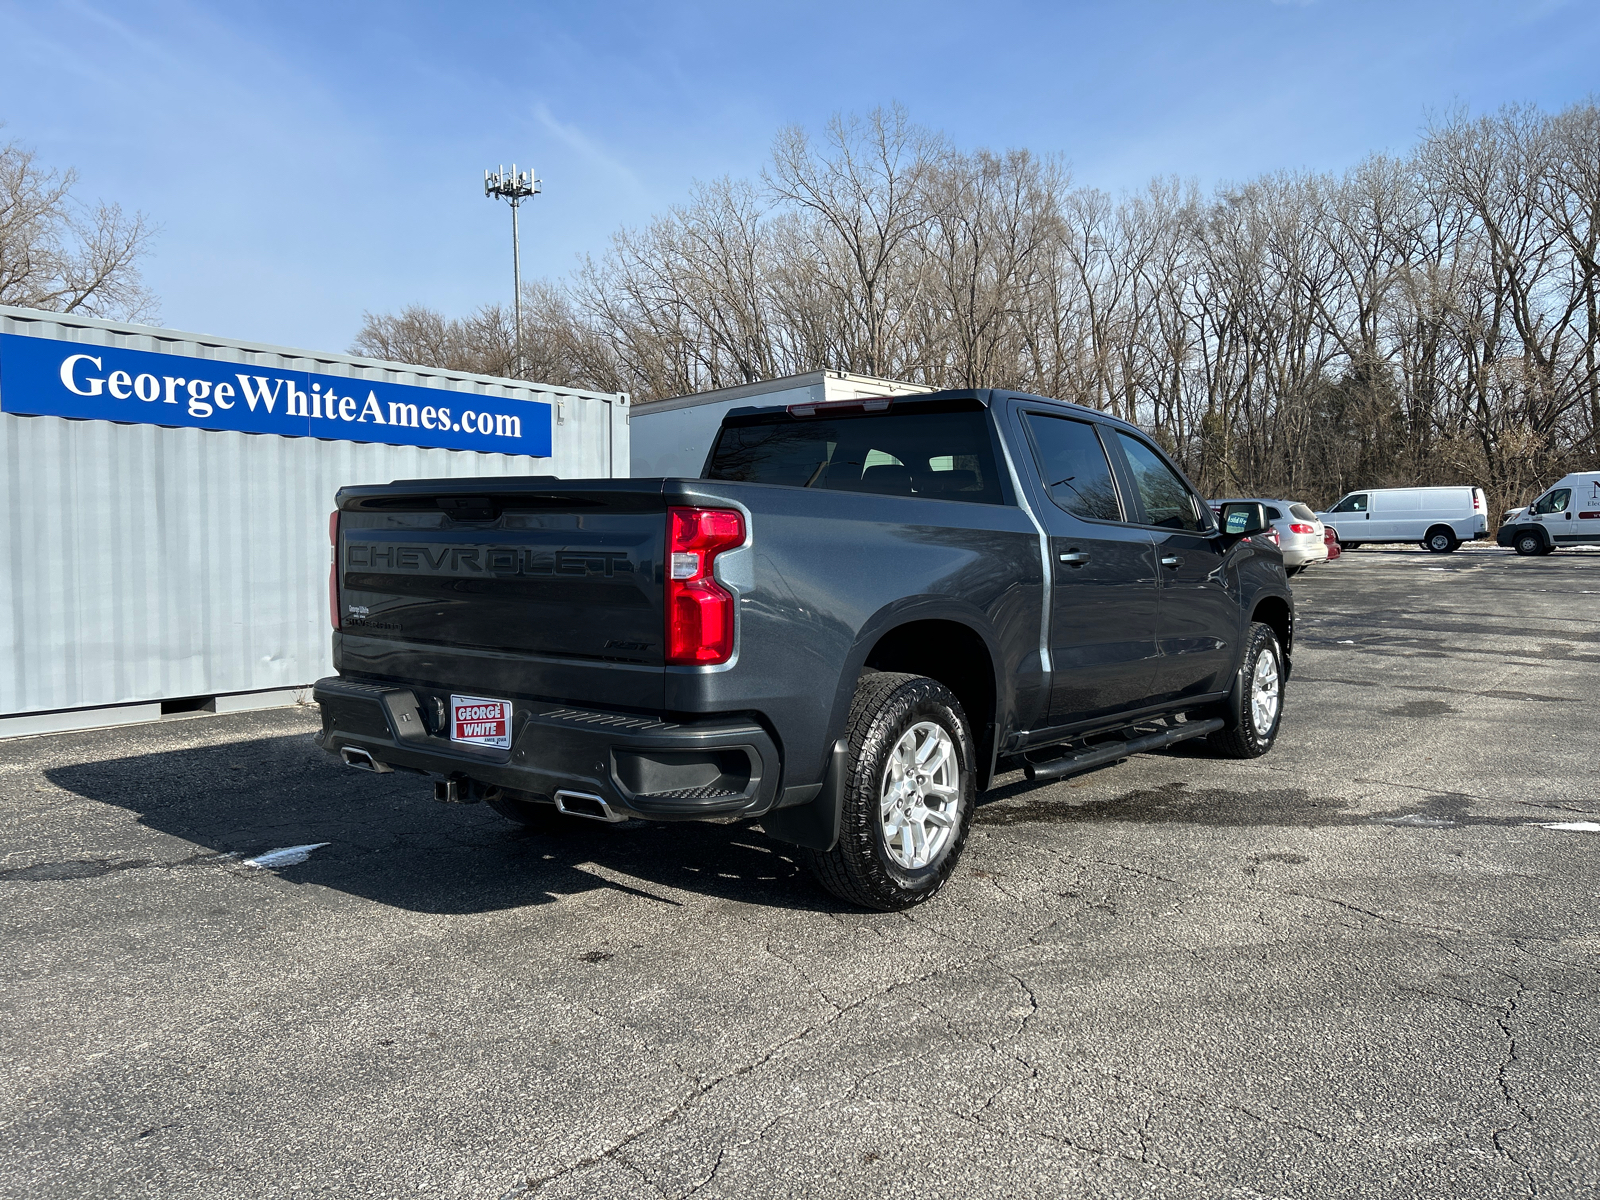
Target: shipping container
(671, 438)
(164, 544)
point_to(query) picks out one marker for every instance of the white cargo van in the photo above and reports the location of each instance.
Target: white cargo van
(1566, 515)
(1437, 518)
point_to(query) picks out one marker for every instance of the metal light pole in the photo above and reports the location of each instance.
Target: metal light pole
(515, 187)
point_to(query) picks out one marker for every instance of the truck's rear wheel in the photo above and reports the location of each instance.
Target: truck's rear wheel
(908, 795)
(1254, 710)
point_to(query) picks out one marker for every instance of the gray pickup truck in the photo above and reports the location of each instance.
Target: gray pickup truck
(842, 631)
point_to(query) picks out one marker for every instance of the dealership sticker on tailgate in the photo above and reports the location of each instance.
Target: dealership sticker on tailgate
(481, 722)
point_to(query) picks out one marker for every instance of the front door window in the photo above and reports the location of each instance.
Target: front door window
(1166, 500)
(1555, 502)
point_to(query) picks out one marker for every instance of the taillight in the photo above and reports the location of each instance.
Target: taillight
(699, 609)
(1477, 502)
(1302, 527)
(1272, 533)
(333, 568)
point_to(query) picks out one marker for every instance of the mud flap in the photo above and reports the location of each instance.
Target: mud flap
(815, 824)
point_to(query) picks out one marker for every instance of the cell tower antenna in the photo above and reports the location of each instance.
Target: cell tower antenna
(515, 187)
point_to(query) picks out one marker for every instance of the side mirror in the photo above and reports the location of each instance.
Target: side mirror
(1244, 519)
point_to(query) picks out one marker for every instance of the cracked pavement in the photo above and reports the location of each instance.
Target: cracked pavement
(1360, 966)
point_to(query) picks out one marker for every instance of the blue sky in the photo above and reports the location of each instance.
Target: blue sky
(309, 161)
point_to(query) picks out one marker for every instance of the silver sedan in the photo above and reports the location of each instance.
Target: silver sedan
(1299, 533)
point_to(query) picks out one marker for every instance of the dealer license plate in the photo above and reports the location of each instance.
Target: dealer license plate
(480, 722)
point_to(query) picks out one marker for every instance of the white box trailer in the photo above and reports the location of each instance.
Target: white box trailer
(164, 541)
(671, 438)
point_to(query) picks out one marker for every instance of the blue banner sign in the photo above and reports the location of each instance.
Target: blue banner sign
(42, 377)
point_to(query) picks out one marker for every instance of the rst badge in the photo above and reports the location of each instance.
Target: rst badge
(480, 722)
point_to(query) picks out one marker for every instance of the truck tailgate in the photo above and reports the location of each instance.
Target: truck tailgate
(528, 574)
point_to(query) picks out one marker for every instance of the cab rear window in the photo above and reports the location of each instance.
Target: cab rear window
(941, 453)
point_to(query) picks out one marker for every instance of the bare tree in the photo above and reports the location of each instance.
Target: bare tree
(1427, 318)
(861, 204)
(60, 255)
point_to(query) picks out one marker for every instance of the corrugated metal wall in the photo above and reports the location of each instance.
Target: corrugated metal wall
(141, 563)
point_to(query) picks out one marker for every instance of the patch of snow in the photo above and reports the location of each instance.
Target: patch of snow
(288, 856)
(1574, 826)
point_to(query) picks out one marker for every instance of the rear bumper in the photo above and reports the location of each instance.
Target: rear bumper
(1305, 556)
(640, 766)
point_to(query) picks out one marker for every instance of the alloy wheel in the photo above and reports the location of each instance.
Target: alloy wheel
(1266, 691)
(921, 796)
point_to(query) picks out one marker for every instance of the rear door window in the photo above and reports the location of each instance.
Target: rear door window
(1073, 467)
(1164, 497)
(943, 452)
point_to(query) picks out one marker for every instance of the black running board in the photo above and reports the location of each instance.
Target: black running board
(1098, 756)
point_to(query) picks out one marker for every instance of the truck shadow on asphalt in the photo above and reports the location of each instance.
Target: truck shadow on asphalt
(392, 843)
(389, 842)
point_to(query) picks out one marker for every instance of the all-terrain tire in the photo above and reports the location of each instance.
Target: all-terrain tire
(863, 868)
(1249, 732)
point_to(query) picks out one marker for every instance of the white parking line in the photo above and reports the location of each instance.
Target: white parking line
(1574, 826)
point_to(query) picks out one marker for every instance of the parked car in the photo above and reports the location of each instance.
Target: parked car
(839, 630)
(1300, 534)
(1566, 515)
(1331, 540)
(1437, 518)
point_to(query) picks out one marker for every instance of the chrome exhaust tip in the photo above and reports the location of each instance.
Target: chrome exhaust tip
(583, 804)
(362, 761)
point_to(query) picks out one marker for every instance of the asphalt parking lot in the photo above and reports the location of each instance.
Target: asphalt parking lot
(1365, 965)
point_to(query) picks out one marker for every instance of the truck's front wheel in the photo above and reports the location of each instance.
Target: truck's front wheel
(1254, 710)
(908, 796)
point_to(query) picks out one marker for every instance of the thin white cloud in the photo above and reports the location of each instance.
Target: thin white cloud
(586, 147)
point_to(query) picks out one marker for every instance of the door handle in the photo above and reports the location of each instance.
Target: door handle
(1075, 559)
(1172, 560)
